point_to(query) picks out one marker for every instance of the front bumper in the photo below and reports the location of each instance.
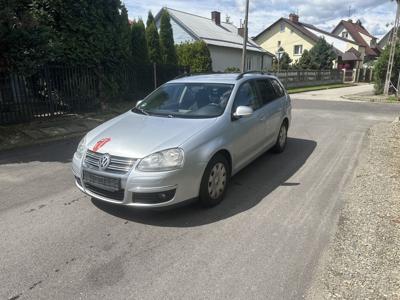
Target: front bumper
(143, 189)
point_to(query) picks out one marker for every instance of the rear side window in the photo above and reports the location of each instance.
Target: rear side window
(278, 88)
(267, 92)
(247, 96)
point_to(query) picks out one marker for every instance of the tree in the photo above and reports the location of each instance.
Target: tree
(284, 61)
(167, 46)
(195, 55)
(150, 19)
(153, 43)
(23, 40)
(380, 68)
(305, 61)
(124, 34)
(322, 55)
(87, 32)
(139, 44)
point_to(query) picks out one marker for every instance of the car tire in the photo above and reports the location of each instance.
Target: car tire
(281, 141)
(214, 181)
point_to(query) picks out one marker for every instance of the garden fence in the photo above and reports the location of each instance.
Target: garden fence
(57, 90)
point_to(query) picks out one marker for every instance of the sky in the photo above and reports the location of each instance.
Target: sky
(376, 15)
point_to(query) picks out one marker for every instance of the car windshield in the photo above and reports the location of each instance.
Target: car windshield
(187, 100)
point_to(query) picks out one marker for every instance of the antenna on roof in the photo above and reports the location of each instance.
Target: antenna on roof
(349, 11)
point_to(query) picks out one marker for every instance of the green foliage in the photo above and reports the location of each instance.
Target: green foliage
(305, 61)
(380, 68)
(153, 43)
(23, 40)
(195, 55)
(139, 45)
(150, 19)
(168, 51)
(232, 70)
(322, 55)
(86, 32)
(284, 62)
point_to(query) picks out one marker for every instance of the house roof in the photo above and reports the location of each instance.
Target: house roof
(201, 28)
(351, 54)
(354, 29)
(339, 43)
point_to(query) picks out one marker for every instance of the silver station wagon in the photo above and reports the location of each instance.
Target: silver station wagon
(184, 141)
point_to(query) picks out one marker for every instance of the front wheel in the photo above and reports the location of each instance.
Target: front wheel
(214, 182)
(281, 141)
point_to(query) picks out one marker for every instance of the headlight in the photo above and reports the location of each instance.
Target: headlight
(81, 148)
(165, 160)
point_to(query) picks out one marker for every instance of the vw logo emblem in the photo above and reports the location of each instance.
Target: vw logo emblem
(104, 161)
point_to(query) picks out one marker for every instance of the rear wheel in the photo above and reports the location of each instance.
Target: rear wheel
(214, 182)
(281, 141)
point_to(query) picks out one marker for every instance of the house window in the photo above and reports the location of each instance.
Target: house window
(282, 27)
(279, 44)
(298, 50)
(345, 34)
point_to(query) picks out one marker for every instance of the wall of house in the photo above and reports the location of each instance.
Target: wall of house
(223, 58)
(288, 38)
(339, 31)
(366, 38)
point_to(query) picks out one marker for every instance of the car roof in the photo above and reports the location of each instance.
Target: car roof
(227, 78)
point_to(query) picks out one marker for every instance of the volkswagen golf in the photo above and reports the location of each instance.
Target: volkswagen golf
(184, 141)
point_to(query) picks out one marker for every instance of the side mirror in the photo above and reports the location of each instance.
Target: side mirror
(138, 102)
(243, 112)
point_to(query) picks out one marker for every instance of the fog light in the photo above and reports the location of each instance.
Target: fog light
(153, 198)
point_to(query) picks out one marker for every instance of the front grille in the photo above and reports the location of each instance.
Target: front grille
(118, 165)
(104, 182)
(115, 195)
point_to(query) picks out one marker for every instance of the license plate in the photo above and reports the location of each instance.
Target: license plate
(107, 183)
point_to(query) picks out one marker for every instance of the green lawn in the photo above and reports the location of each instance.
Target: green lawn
(318, 87)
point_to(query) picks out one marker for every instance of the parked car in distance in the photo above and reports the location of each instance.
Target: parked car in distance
(184, 141)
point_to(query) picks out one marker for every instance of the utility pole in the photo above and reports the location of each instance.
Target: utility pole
(393, 42)
(246, 22)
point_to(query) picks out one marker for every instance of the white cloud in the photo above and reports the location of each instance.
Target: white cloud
(374, 14)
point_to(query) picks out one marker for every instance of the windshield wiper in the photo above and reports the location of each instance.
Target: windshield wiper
(142, 111)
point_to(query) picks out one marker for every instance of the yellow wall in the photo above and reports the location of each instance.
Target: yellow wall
(289, 38)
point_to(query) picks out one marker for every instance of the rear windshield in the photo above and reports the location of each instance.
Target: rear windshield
(187, 100)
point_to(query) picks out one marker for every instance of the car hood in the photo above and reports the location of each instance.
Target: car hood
(134, 135)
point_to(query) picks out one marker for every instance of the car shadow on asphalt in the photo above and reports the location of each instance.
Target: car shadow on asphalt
(246, 190)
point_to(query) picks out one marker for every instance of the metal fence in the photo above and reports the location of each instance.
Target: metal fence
(301, 78)
(56, 90)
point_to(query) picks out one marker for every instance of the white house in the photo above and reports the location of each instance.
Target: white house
(224, 40)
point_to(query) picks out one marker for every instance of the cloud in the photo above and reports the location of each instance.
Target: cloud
(375, 14)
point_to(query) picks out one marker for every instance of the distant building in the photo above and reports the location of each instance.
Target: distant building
(224, 40)
(295, 37)
(384, 41)
(356, 32)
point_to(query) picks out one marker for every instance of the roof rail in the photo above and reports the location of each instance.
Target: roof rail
(240, 76)
(194, 74)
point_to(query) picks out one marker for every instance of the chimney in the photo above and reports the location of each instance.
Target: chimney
(216, 17)
(294, 18)
(241, 31)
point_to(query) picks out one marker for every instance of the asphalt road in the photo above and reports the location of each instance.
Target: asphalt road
(263, 241)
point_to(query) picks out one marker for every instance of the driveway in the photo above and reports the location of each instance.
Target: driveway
(336, 94)
(263, 241)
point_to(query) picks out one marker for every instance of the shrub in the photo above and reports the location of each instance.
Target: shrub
(380, 69)
(195, 55)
